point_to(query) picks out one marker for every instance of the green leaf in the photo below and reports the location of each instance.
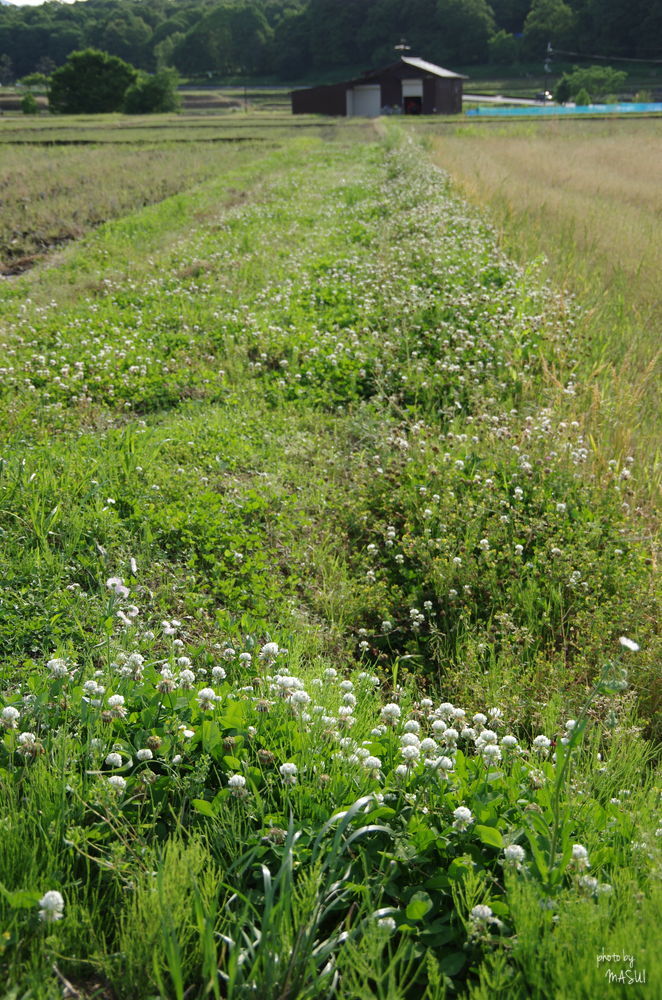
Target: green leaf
(459, 868)
(489, 835)
(203, 807)
(419, 904)
(451, 964)
(21, 899)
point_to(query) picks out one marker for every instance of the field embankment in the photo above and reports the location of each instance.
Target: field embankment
(328, 639)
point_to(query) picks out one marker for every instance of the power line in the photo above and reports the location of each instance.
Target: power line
(588, 55)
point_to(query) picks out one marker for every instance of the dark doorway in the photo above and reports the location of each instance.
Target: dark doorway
(413, 105)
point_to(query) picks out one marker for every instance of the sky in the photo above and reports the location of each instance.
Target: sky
(33, 3)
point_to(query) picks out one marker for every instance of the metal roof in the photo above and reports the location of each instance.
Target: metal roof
(428, 67)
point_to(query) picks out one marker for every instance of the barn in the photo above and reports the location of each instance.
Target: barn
(409, 86)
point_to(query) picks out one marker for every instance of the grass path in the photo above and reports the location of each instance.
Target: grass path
(284, 483)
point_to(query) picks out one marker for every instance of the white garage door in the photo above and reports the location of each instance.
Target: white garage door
(367, 100)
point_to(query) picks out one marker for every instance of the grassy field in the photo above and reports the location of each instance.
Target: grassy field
(587, 196)
(327, 632)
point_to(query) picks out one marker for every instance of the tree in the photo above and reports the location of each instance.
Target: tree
(34, 81)
(503, 49)
(547, 21)
(151, 94)
(596, 82)
(466, 26)
(6, 69)
(90, 82)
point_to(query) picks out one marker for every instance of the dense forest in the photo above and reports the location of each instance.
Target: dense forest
(294, 38)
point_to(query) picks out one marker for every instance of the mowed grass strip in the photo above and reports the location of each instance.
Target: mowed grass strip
(281, 475)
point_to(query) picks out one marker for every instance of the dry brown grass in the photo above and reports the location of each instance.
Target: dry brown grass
(588, 195)
(49, 195)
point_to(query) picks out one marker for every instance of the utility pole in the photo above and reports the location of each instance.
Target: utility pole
(547, 67)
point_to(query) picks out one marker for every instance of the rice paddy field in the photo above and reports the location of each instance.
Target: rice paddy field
(328, 597)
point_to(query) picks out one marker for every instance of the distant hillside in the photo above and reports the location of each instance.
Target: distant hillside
(291, 39)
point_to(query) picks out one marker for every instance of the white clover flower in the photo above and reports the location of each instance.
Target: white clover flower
(588, 883)
(51, 906)
(409, 740)
(9, 717)
(450, 736)
(186, 680)
(269, 652)
(410, 753)
(541, 743)
(428, 745)
(401, 771)
(445, 710)
(444, 763)
(468, 733)
(244, 658)
(117, 783)
(462, 818)
(237, 785)
(479, 719)
(58, 667)
(514, 855)
(177, 759)
(391, 713)
(580, 857)
(629, 644)
(491, 753)
(387, 922)
(116, 585)
(288, 773)
(113, 760)
(411, 726)
(481, 913)
(206, 698)
(508, 741)
(372, 763)
(144, 754)
(484, 544)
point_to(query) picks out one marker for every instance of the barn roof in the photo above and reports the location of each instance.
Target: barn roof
(429, 67)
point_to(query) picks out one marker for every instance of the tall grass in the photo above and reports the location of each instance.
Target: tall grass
(587, 195)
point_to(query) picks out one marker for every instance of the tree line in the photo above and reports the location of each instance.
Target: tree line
(293, 39)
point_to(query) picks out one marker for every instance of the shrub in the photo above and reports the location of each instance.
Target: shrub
(90, 82)
(29, 104)
(150, 94)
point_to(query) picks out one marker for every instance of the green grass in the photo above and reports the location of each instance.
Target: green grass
(302, 410)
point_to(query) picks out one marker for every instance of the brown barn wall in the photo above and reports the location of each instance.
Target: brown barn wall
(391, 92)
(320, 100)
(429, 106)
